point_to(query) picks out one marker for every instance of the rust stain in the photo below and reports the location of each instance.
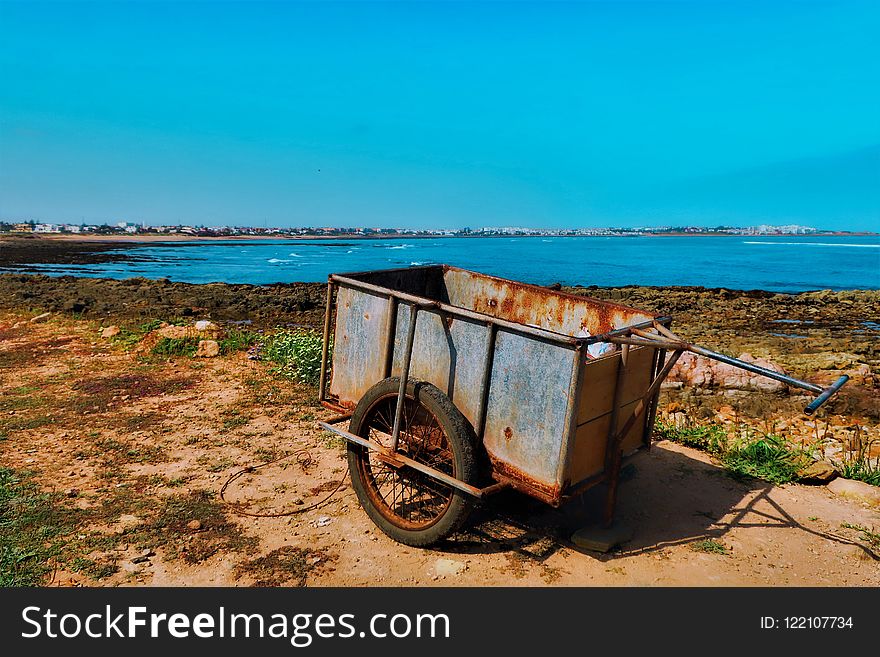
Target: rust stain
(549, 493)
(508, 433)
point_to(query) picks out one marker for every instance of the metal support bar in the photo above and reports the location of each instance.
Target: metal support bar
(325, 347)
(404, 375)
(486, 380)
(652, 413)
(406, 461)
(643, 402)
(612, 453)
(389, 335)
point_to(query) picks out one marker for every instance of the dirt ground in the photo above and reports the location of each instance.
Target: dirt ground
(141, 446)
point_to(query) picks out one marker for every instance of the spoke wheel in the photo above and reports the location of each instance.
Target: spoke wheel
(408, 505)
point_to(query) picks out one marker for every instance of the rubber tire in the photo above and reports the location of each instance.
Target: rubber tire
(462, 440)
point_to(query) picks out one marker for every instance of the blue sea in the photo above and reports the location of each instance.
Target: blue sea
(782, 264)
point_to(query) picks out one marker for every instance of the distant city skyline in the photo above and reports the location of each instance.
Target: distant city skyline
(442, 115)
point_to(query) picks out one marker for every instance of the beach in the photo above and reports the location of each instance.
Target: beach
(139, 447)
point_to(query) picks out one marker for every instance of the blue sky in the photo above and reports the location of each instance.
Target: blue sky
(445, 114)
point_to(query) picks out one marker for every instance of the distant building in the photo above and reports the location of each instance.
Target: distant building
(47, 228)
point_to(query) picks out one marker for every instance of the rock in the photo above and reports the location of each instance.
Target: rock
(110, 332)
(71, 492)
(208, 349)
(140, 559)
(173, 332)
(205, 325)
(449, 567)
(194, 525)
(40, 318)
(602, 539)
(72, 306)
(701, 372)
(858, 490)
(820, 472)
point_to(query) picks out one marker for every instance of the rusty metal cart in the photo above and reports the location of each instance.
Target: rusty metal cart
(457, 385)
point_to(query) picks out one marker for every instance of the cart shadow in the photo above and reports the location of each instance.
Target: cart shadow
(666, 498)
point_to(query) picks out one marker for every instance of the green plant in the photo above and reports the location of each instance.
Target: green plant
(867, 535)
(176, 347)
(236, 340)
(709, 438)
(766, 457)
(857, 463)
(296, 354)
(709, 546)
(32, 529)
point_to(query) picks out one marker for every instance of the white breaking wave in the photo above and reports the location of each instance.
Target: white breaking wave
(856, 246)
(295, 255)
(402, 246)
(276, 260)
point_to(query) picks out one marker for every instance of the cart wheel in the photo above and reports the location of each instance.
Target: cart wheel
(409, 506)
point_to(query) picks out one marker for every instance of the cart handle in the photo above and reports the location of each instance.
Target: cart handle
(826, 395)
(666, 339)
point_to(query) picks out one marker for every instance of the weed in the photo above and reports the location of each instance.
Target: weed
(764, 456)
(176, 347)
(767, 457)
(296, 354)
(236, 340)
(709, 546)
(217, 533)
(285, 564)
(867, 535)
(233, 419)
(33, 525)
(857, 463)
(710, 438)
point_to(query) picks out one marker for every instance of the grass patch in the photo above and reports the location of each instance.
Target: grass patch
(709, 546)
(217, 532)
(234, 419)
(857, 463)
(766, 457)
(872, 538)
(237, 340)
(284, 565)
(710, 438)
(763, 456)
(33, 525)
(295, 354)
(176, 347)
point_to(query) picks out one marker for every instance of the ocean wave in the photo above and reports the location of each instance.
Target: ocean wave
(857, 246)
(277, 260)
(295, 255)
(402, 246)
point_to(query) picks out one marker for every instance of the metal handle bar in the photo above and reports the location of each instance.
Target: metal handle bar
(666, 339)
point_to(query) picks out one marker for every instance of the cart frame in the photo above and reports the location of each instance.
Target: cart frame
(653, 333)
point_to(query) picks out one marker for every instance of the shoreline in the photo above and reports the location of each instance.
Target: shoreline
(19, 255)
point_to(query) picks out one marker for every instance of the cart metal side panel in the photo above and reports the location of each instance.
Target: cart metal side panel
(530, 398)
(448, 352)
(536, 306)
(358, 358)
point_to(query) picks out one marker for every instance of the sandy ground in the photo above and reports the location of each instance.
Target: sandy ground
(142, 445)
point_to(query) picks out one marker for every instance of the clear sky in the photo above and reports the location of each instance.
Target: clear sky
(446, 114)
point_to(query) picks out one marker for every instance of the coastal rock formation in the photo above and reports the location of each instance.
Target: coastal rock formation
(694, 370)
(207, 349)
